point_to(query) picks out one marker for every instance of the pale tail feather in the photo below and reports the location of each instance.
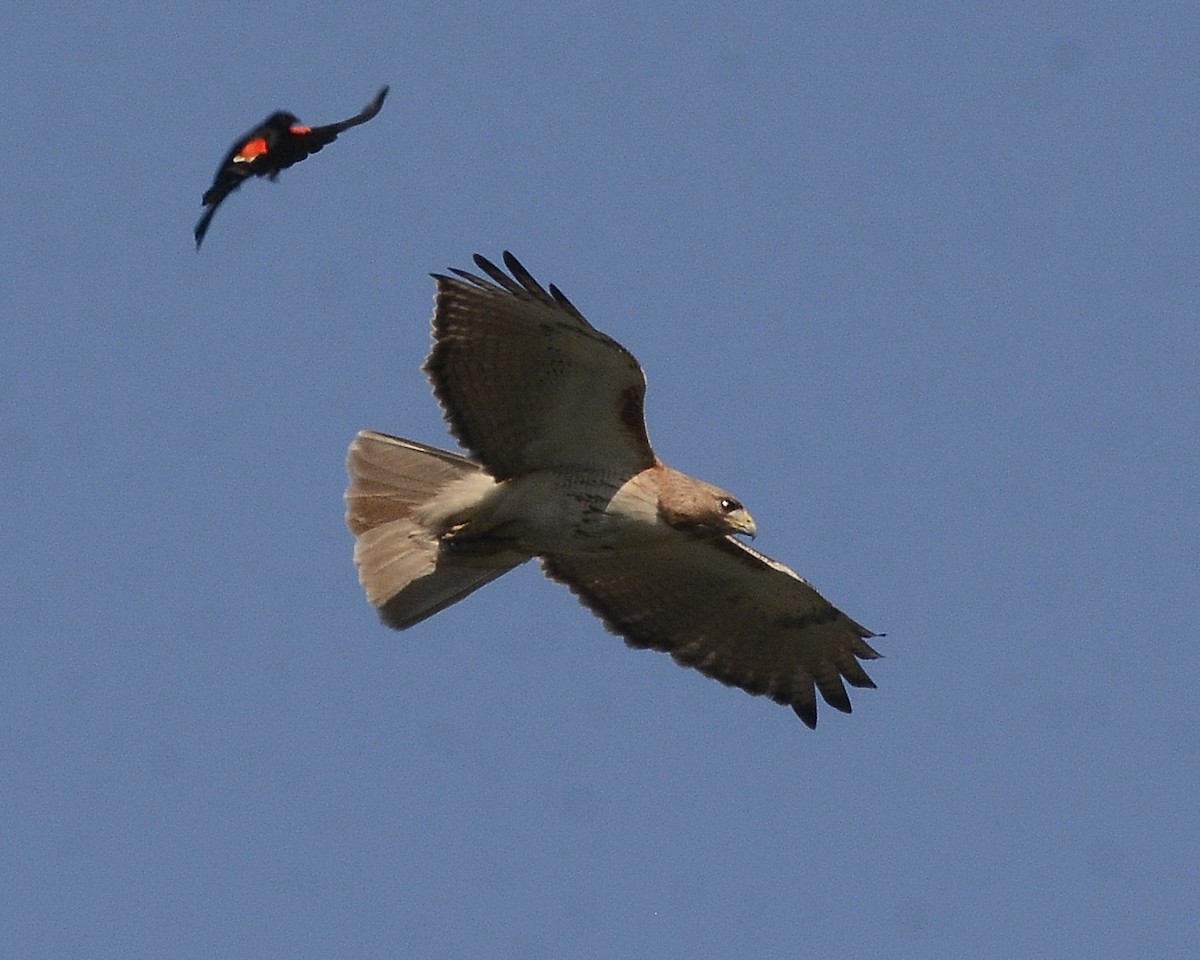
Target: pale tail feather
(405, 571)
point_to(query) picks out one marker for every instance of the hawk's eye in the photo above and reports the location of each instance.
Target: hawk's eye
(728, 505)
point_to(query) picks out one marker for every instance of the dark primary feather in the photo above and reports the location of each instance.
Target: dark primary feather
(521, 284)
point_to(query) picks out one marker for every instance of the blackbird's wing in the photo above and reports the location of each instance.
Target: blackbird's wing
(369, 112)
(303, 142)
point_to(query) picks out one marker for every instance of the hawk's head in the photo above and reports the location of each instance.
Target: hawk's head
(686, 503)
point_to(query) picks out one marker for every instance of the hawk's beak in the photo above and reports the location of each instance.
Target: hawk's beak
(744, 523)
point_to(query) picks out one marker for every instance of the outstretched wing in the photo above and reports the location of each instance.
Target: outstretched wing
(368, 112)
(730, 612)
(304, 141)
(527, 383)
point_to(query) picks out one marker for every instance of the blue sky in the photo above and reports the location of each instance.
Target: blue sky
(918, 284)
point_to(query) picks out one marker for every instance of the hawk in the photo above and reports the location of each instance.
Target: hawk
(275, 144)
(561, 468)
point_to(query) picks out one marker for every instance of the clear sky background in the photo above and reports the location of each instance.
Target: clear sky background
(917, 282)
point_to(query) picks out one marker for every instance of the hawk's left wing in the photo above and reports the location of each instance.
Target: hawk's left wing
(730, 612)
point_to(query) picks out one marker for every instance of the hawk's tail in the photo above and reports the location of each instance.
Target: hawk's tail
(399, 496)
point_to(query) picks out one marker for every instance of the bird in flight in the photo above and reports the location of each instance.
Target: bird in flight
(278, 142)
(561, 468)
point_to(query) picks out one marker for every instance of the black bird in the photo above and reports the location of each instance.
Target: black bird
(274, 145)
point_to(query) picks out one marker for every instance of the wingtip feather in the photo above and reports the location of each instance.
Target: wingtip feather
(807, 712)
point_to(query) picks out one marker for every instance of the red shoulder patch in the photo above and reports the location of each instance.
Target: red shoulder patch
(252, 150)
